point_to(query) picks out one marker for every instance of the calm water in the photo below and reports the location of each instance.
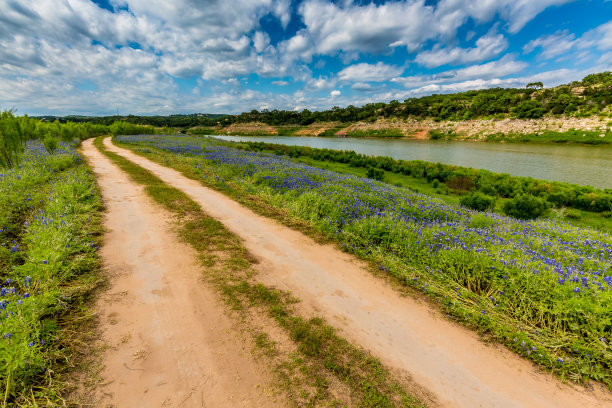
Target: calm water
(573, 164)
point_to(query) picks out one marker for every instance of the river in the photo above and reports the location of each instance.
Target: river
(587, 165)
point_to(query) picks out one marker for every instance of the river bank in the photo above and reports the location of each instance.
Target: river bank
(590, 130)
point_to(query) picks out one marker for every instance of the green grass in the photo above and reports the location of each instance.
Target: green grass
(49, 230)
(322, 357)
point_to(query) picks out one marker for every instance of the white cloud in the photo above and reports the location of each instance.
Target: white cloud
(564, 42)
(365, 87)
(364, 72)
(370, 28)
(516, 12)
(349, 28)
(54, 52)
(321, 82)
(487, 47)
(494, 69)
(552, 45)
(599, 37)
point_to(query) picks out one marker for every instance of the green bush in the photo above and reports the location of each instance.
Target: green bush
(478, 201)
(526, 207)
(50, 143)
(529, 109)
(375, 173)
(573, 214)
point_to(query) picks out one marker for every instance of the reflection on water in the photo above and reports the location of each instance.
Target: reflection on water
(573, 164)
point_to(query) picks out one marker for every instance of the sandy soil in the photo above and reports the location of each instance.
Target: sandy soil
(169, 341)
(449, 361)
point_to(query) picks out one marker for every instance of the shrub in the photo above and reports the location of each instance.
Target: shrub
(526, 207)
(478, 201)
(435, 183)
(460, 182)
(375, 173)
(529, 109)
(573, 214)
(50, 143)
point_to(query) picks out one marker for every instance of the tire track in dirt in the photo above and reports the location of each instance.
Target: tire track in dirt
(448, 360)
(170, 343)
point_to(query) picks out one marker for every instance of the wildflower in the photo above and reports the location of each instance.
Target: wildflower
(31, 344)
(27, 281)
(7, 336)
(44, 262)
(559, 360)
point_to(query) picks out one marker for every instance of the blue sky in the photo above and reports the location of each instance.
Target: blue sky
(227, 56)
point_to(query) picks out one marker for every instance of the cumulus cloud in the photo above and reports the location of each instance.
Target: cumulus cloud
(364, 72)
(378, 28)
(143, 55)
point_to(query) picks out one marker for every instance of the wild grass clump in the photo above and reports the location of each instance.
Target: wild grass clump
(49, 208)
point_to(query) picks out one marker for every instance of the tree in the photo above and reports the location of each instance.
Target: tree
(478, 201)
(529, 109)
(526, 207)
(535, 85)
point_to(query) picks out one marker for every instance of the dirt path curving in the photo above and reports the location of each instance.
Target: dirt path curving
(444, 358)
(170, 343)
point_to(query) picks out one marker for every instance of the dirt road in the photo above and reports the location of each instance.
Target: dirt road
(170, 343)
(444, 358)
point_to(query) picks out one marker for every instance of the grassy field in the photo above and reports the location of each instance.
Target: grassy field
(49, 229)
(542, 288)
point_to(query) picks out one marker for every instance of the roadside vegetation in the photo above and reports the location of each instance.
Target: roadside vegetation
(322, 359)
(49, 232)
(542, 288)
